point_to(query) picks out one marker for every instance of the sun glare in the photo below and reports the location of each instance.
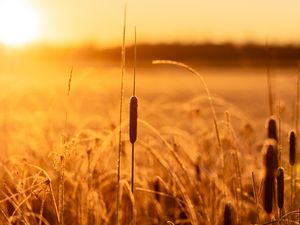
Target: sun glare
(18, 22)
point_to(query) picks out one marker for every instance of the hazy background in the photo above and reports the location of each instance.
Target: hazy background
(230, 43)
(73, 22)
(168, 21)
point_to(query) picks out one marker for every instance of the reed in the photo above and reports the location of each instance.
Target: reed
(269, 81)
(133, 118)
(297, 101)
(120, 115)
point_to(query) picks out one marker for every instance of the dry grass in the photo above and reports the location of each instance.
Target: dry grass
(194, 162)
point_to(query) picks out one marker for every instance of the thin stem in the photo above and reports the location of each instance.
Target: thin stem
(279, 135)
(132, 169)
(121, 110)
(54, 202)
(62, 189)
(292, 187)
(255, 196)
(280, 216)
(134, 67)
(270, 92)
(297, 101)
(42, 208)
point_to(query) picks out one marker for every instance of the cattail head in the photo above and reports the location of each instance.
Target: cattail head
(292, 142)
(280, 187)
(268, 192)
(271, 157)
(133, 119)
(272, 129)
(228, 214)
(157, 189)
(271, 164)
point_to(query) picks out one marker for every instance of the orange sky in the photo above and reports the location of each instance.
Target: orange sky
(100, 21)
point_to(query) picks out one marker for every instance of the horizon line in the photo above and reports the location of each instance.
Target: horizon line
(96, 46)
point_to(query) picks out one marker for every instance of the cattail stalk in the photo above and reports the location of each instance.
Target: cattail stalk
(133, 119)
(297, 114)
(269, 82)
(279, 135)
(120, 115)
(297, 101)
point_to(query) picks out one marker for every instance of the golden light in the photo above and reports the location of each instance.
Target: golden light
(18, 22)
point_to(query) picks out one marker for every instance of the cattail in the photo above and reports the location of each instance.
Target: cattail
(268, 193)
(271, 167)
(228, 214)
(272, 129)
(133, 119)
(133, 103)
(157, 189)
(292, 161)
(271, 158)
(292, 142)
(280, 187)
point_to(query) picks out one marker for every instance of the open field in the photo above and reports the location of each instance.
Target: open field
(52, 142)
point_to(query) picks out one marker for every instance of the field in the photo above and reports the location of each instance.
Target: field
(59, 141)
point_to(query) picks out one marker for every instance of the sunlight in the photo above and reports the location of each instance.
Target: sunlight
(18, 22)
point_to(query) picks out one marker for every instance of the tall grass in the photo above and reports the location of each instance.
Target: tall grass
(120, 116)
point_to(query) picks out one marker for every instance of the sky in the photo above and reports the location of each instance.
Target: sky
(72, 22)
